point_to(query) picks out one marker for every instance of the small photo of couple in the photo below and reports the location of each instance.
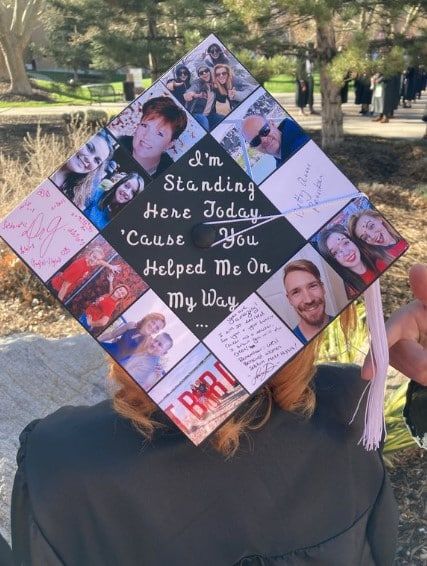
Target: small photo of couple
(198, 394)
(147, 340)
(359, 244)
(209, 82)
(97, 285)
(98, 180)
(260, 135)
(155, 129)
(306, 293)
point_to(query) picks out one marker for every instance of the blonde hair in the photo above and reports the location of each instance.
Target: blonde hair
(291, 389)
(228, 84)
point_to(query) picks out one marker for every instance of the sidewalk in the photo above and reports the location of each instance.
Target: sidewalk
(407, 123)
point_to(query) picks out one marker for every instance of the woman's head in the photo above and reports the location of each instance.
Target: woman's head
(204, 73)
(152, 323)
(223, 77)
(91, 155)
(371, 228)
(215, 51)
(96, 254)
(182, 74)
(120, 292)
(348, 260)
(123, 191)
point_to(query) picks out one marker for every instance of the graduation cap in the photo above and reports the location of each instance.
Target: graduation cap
(203, 239)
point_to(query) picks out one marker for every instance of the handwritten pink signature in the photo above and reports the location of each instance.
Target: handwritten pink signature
(44, 235)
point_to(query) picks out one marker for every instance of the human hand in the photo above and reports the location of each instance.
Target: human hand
(407, 332)
(110, 277)
(232, 93)
(115, 268)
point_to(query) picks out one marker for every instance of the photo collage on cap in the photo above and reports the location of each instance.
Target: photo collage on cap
(324, 240)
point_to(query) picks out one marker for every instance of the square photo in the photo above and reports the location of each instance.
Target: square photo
(103, 295)
(260, 135)
(199, 394)
(253, 343)
(309, 189)
(80, 175)
(359, 244)
(155, 130)
(209, 82)
(97, 256)
(148, 340)
(306, 293)
(46, 230)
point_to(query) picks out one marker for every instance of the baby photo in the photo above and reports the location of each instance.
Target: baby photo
(306, 293)
(260, 135)
(155, 130)
(359, 244)
(198, 394)
(209, 82)
(103, 295)
(147, 340)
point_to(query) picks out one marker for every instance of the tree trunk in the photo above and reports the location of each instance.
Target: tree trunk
(14, 58)
(4, 75)
(153, 46)
(332, 117)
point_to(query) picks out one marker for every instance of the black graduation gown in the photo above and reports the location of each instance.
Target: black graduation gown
(90, 491)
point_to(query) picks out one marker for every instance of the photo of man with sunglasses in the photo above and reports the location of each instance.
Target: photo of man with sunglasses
(280, 141)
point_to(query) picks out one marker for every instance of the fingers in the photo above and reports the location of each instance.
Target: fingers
(418, 281)
(410, 358)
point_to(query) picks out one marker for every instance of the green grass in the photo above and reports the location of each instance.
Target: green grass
(286, 83)
(61, 92)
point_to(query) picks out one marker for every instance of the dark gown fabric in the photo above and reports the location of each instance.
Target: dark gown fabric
(90, 491)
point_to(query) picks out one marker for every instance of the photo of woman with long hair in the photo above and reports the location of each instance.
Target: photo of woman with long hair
(103, 205)
(84, 170)
(200, 98)
(354, 265)
(369, 228)
(229, 89)
(180, 83)
(128, 338)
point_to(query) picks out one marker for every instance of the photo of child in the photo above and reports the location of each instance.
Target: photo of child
(148, 339)
(98, 254)
(155, 130)
(260, 135)
(359, 244)
(199, 394)
(210, 82)
(105, 294)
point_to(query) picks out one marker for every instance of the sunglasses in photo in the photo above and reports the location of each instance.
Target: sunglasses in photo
(221, 74)
(214, 50)
(203, 72)
(262, 133)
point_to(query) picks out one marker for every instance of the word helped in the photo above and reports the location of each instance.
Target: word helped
(153, 267)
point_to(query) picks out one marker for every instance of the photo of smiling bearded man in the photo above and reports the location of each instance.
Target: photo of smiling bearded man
(306, 293)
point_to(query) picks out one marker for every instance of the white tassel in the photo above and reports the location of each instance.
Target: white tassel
(374, 413)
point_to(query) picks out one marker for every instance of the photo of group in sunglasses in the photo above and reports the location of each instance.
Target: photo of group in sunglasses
(260, 135)
(210, 83)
